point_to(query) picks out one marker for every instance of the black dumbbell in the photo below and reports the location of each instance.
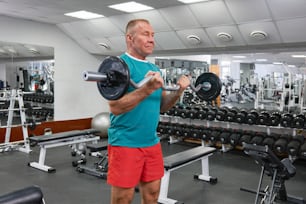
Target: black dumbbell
(214, 135)
(245, 138)
(269, 140)
(303, 149)
(295, 144)
(257, 139)
(286, 120)
(280, 145)
(77, 162)
(252, 117)
(211, 114)
(275, 118)
(225, 137)
(221, 114)
(231, 114)
(299, 121)
(264, 118)
(202, 113)
(235, 137)
(241, 116)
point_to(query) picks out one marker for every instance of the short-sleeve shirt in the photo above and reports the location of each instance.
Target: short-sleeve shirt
(137, 127)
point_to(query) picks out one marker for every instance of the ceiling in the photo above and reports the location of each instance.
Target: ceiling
(279, 26)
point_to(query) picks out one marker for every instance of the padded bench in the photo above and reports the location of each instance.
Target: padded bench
(60, 139)
(181, 159)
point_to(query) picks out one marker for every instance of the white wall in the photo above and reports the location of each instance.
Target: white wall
(74, 98)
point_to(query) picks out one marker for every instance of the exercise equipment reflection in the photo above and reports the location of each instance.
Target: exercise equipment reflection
(113, 80)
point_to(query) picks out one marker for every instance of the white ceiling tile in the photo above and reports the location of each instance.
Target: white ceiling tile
(211, 13)
(168, 40)
(121, 21)
(157, 21)
(179, 17)
(267, 27)
(232, 30)
(248, 10)
(292, 30)
(282, 9)
(205, 41)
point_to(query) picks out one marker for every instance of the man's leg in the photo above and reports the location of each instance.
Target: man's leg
(149, 191)
(122, 195)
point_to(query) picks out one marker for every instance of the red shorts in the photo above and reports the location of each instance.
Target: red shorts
(127, 166)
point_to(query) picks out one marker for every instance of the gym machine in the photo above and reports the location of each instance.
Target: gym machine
(280, 171)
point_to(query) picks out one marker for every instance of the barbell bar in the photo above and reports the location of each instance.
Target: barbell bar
(113, 80)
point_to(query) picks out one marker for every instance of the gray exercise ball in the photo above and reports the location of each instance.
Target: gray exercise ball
(101, 122)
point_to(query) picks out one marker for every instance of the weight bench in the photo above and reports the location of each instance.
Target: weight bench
(279, 170)
(60, 139)
(30, 195)
(181, 159)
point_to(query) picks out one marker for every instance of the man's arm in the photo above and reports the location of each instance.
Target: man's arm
(132, 99)
(170, 99)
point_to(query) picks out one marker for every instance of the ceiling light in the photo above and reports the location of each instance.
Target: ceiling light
(191, 1)
(84, 15)
(237, 61)
(2, 52)
(225, 63)
(261, 60)
(258, 35)
(298, 56)
(225, 37)
(193, 39)
(239, 56)
(291, 66)
(278, 63)
(130, 7)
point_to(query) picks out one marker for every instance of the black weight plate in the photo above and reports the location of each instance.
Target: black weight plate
(118, 79)
(212, 86)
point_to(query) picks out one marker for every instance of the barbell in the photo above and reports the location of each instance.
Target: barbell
(113, 80)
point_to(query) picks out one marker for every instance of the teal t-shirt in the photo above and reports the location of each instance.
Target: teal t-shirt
(137, 128)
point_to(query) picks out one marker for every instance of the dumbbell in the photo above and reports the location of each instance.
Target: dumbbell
(275, 118)
(241, 116)
(299, 121)
(77, 162)
(231, 114)
(225, 137)
(202, 113)
(211, 114)
(252, 117)
(264, 118)
(269, 140)
(257, 139)
(192, 113)
(294, 145)
(221, 114)
(195, 131)
(280, 145)
(235, 137)
(286, 120)
(303, 149)
(245, 138)
(214, 135)
(205, 132)
(185, 131)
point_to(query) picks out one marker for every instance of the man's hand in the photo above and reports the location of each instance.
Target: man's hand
(155, 82)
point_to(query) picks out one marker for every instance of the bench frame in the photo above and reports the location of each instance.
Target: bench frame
(75, 138)
(163, 196)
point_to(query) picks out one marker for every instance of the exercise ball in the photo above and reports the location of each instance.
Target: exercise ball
(101, 122)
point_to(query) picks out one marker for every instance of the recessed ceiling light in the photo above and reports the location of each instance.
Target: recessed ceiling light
(292, 66)
(258, 35)
(239, 56)
(104, 45)
(194, 39)
(84, 15)
(298, 56)
(130, 7)
(261, 60)
(191, 1)
(278, 63)
(237, 61)
(225, 37)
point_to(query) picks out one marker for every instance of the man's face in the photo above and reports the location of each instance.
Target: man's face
(141, 40)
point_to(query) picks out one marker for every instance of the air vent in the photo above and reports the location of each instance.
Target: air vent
(258, 35)
(225, 37)
(104, 45)
(193, 39)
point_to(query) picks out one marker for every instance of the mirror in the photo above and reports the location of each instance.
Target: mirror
(29, 68)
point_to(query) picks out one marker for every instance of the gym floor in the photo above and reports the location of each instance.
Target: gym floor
(233, 169)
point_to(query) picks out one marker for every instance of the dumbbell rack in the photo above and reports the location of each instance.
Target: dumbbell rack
(226, 125)
(23, 146)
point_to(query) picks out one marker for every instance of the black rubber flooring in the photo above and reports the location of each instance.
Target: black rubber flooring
(233, 169)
